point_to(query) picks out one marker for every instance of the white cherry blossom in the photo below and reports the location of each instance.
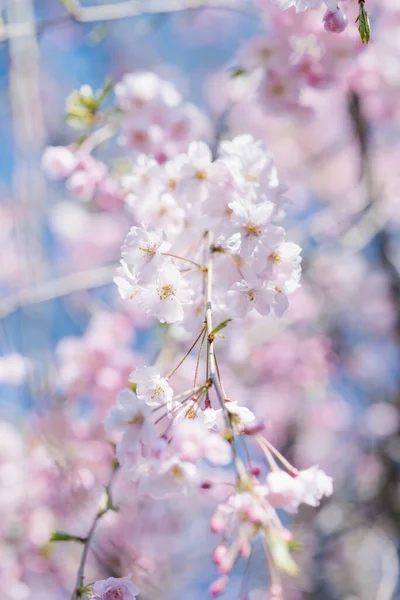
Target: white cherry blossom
(153, 389)
(166, 297)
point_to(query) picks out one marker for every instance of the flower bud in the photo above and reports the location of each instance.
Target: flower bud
(218, 586)
(335, 21)
(219, 553)
(58, 162)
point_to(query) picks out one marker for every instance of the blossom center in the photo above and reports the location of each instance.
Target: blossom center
(253, 230)
(274, 257)
(265, 53)
(278, 89)
(137, 420)
(177, 471)
(166, 291)
(201, 175)
(157, 393)
(252, 295)
(140, 137)
(148, 250)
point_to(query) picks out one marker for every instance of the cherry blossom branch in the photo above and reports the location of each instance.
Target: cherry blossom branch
(121, 10)
(79, 589)
(50, 290)
(211, 362)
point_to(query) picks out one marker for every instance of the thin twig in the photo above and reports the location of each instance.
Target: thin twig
(121, 10)
(80, 578)
(186, 355)
(50, 290)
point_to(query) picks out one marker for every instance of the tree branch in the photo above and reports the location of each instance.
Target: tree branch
(58, 288)
(80, 578)
(121, 10)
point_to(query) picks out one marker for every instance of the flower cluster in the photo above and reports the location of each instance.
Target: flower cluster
(165, 435)
(149, 117)
(279, 66)
(155, 120)
(86, 178)
(239, 198)
(208, 242)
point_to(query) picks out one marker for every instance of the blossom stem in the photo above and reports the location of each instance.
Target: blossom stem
(183, 258)
(212, 374)
(196, 373)
(80, 579)
(188, 393)
(187, 354)
(267, 445)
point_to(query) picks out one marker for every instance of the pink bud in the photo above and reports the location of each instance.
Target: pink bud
(335, 21)
(206, 485)
(218, 586)
(58, 162)
(275, 592)
(81, 185)
(254, 429)
(245, 549)
(215, 525)
(287, 535)
(255, 470)
(219, 553)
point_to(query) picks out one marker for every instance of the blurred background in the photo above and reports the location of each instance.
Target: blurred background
(325, 378)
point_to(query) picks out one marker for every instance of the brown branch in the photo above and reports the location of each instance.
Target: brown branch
(80, 578)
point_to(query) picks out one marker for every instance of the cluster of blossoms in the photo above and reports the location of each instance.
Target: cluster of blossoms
(289, 58)
(150, 117)
(209, 242)
(239, 198)
(87, 179)
(155, 120)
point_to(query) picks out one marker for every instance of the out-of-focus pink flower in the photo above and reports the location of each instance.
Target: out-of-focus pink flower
(335, 21)
(218, 586)
(284, 491)
(114, 588)
(317, 484)
(58, 162)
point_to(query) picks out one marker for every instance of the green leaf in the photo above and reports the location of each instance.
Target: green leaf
(105, 91)
(363, 23)
(294, 545)
(63, 536)
(238, 72)
(220, 326)
(280, 554)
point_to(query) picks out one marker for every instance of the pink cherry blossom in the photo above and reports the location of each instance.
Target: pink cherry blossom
(316, 485)
(58, 162)
(166, 297)
(335, 21)
(114, 588)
